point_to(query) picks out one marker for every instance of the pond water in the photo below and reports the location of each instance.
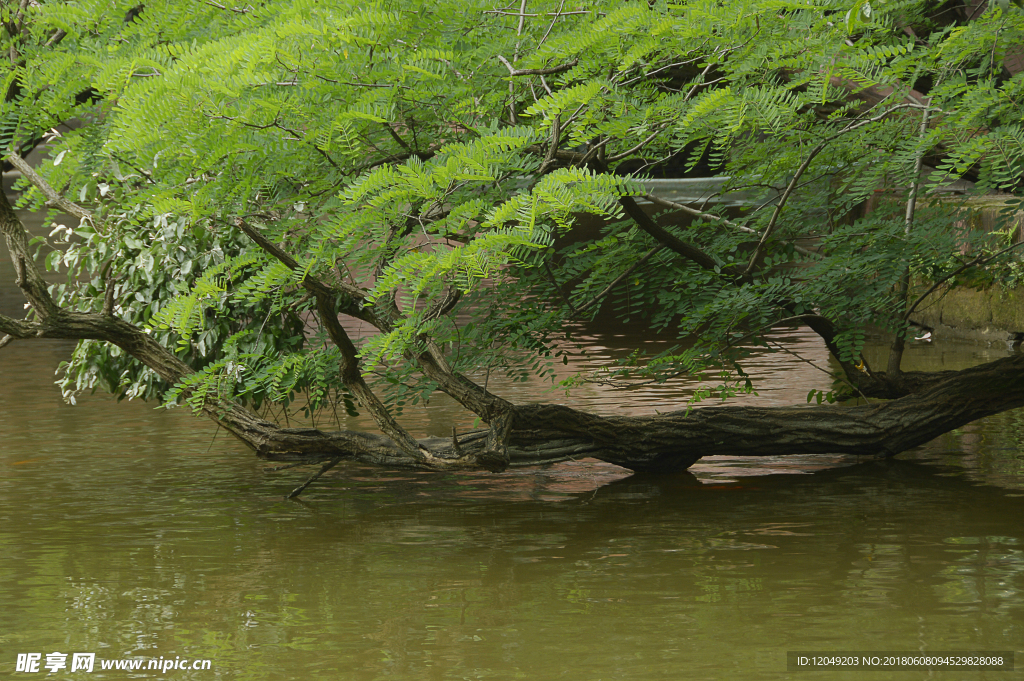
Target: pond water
(135, 533)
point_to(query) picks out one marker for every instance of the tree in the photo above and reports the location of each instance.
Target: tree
(248, 176)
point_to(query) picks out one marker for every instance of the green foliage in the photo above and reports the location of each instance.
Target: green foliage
(387, 148)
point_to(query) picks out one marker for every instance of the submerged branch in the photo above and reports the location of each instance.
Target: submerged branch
(313, 478)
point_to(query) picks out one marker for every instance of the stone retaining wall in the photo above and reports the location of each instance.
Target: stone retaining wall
(993, 314)
(988, 315)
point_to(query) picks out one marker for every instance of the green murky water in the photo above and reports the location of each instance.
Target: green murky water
(134, 533)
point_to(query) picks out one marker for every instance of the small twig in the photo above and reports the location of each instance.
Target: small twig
(915, 185)
(575, 113)
(800, 171)
(108, 296)
(306, 297)
(313, 478)
(5, 340)
(899, 342)
(51, 194)
(552, 24)
(211, 3)
(556, 136)
(545, 14)
(824, 371)
(347, 82)
(698, 79)
(718, 218)
(519, 30)
(658, 70)
(213, 439)
(593, 152)
(607, 289)
(298, 138)
(979, 261)
(56, 37)
(142, 171)
(19, 19)
(697, 213)
(513, 71)
(638, 147)
(273, 469)
(394, 135)
(554, 282)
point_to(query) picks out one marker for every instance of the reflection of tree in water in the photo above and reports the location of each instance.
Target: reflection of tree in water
(831, 550)
(989, 451)
(433, 576)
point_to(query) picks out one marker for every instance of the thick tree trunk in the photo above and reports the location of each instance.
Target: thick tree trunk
(526, 435)
(674, 441)
(546, 433)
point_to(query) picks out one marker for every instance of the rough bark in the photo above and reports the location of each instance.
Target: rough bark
(674, 441)
(665, 442)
